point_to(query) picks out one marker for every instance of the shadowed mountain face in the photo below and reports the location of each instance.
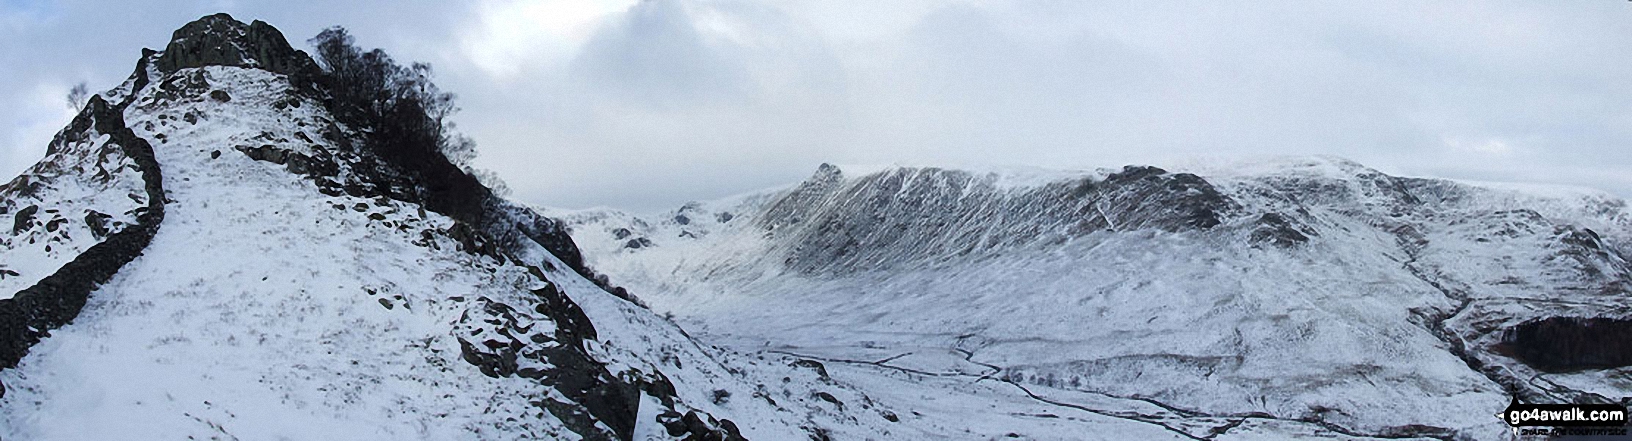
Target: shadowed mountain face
(1309, 290)
(912, 214)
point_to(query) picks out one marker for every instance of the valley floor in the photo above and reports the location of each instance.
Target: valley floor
(946, 391)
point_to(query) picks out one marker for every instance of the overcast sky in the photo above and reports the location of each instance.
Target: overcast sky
(644, 105)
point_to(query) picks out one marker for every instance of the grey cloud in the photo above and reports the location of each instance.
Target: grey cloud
(671, 100)
(654, 56)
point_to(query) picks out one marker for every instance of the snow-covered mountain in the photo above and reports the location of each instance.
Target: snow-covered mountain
(215, 250)
(1277, 299)
(209, 251)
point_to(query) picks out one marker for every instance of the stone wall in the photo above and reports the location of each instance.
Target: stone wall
(56, 300)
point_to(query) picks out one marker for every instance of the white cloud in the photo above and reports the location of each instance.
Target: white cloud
(39, 113)
(677, 99)
(1491, 147)
(511, 35)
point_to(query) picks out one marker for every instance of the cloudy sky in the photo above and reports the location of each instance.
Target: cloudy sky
(644, 105)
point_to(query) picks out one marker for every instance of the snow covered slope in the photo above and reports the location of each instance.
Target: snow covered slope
(1306, 296)
(281, 291)
(86, 189)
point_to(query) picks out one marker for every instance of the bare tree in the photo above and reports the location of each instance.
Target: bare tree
(78, 95)
(406, 110)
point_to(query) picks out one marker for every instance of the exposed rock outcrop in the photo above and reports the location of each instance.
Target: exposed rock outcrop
(547, 346)
(1279, 230)
(220, 40)
(1564, 344)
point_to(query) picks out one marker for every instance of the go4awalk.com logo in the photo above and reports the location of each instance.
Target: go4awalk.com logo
(1589, 420)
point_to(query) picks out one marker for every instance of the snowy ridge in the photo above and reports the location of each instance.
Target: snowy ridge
(1327, 297)
(285, 295)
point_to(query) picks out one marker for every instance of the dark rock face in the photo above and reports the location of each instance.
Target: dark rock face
(545, 345)
(549, 348)
(57, 299)
(1279, 230)
(1563, 344)
(790, 209)
(929, 214)
(24, 219)
(320, 165)
(821, 371)
(694, 426)
(474, 241)
(1148, 197)
(219, 40)
(1594, 258)
(679, 422)
(98, 223)
(181, 87)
